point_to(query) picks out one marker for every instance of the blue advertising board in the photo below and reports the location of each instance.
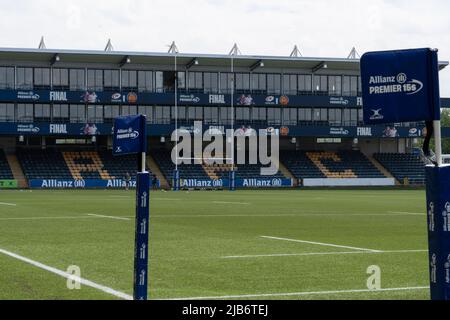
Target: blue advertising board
(81, 184)
(90, 129)
(129, 135)
(400, 86)
(438, 218)
(238, 183)
(141, 236)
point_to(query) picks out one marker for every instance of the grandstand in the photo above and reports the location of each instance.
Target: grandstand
(56, 116)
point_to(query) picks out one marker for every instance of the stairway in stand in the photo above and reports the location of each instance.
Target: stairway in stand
(17, 171)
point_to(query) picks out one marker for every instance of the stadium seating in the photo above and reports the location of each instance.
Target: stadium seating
(43, 164)
(300, 165)
(53, 164)
(5, 170)
(342, 164)
(187, 171)
(403, 166)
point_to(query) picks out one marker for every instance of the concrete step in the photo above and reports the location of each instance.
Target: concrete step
(154, 168)
(383, 170)
(17, 171)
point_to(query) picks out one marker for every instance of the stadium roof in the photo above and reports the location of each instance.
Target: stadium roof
(153, 58)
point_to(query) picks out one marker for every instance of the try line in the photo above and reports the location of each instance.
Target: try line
(67, 275)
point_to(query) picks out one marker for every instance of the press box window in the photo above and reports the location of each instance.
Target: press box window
(77, 81)
(25, 78)
(60, 79)
(41, 78)
(6, 112)
(6, 78)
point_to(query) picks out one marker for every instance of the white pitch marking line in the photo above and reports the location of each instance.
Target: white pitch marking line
(320, 243)
(317, 254)
(107, 217)
(8, 204)
(46, 218)
(303, 293)
(407, 213)
(67, 275)
(230, 202)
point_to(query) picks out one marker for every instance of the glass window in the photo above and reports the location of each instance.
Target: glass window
(258, 83)
(290, 84)
(305, 114)
(335, 85)
(290, 116)
(335, 117)
(162, 115)
(273, 116)
(60, 112)
(77, 113)
(273, 84)
(226, 80)
(42, 112)
(195, 81)
(242, 114)
(242, 82)
(145, 81)
(225, 115)
(128, 110)
(25, 112)
(181, 115)
(304, 84)
(169, 81)
(259, 114)
(95, 80)
(6, 112)
(95, 113)
(129, 80)
(350, 86)
(181, 80)
(77, 80)
(111, 80)
(41, 78)
(25, 78)
(6, 78)
(211, 115)
(111, 112)
(147, 111)
(320, 84)
(159, 81)
(60, 79)
(211, 82)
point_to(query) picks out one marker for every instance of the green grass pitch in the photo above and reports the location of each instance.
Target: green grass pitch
(274, 244)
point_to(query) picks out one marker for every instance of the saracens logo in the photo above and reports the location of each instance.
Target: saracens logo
(394, 84)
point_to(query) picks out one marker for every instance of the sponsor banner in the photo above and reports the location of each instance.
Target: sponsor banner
(400, 86)
(60, 129)
(141, 236)
(133, 97)
(438, 215)
(360, 182)
(239, 183)
(80, 184)
(73, 129)
(8, 184)
(129, 135)
(203, 99)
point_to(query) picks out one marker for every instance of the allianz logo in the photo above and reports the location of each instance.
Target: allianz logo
(127, 134)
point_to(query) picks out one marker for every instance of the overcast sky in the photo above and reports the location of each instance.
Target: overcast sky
(324, 28)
